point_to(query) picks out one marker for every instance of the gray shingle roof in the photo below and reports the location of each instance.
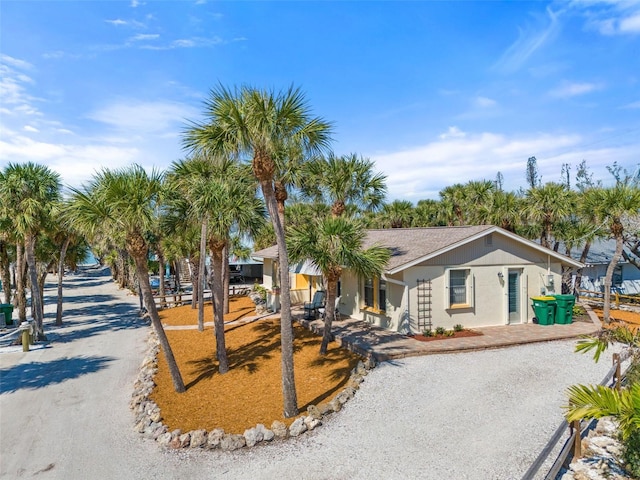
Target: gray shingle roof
(410, 244)
(407, 244)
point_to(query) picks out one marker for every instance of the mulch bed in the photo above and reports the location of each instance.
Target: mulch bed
(460, 334)
(251, 392)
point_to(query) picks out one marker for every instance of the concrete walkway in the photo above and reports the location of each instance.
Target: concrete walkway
(382, 345)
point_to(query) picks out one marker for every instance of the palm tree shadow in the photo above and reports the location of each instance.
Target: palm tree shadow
(34, 375)
(248, 356)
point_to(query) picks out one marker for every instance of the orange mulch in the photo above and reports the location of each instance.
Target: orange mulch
(251, 392)
(631, 319)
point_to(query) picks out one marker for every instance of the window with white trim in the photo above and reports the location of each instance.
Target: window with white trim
(459, 286)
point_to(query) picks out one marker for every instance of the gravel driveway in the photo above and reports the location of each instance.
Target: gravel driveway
(479, 415)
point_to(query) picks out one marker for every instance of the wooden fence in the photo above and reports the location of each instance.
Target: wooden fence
(616, 298)
(572, 447)
(178, 299)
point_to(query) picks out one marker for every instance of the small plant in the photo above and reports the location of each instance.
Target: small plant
(458, 328)
(578, 310)
(259, 294)
(440, 330)
(427, 332)
(449, 333)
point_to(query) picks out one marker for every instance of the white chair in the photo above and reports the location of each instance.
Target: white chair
(336, 312)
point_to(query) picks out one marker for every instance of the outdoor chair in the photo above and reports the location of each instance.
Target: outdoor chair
(336, 312)
(311, 308)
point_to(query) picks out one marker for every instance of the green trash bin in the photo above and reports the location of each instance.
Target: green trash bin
(545, 309)
(564, 311)
(7, 310)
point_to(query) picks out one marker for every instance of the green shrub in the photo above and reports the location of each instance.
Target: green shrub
(633, 372)
(260, 290)
(449, 333)
(427, 332)
(631, 454)
(440, 330)
(578, 310)
(458, 328)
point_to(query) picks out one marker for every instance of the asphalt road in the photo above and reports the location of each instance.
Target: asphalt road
(64, 409)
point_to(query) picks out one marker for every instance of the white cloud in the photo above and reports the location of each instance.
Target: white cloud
(630, 24)
(117, 22)
(139, 118)
(452, 132)
(567, 90)
(529, 41)
(422, 171)
(188, 43)
(15, 62)
(144, 36)
(29, 128)
(484, 102)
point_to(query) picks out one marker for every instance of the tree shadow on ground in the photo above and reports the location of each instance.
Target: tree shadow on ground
(247, 356)
(34, 375)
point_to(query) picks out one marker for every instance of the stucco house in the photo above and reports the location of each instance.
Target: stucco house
(439, 277)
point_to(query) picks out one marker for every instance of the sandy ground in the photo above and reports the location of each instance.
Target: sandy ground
(482, 415)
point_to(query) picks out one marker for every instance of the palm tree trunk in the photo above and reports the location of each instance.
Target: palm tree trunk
(217, 289)
(286, 325)
(5, 272)
(225, 278)
(176, 275)
(36, 302)
(21, 296)
(145, 287)
(63, 254)
(195, 285)
(329, 314)
(162, 290)
(606, 311)
(583, 258)
(201, 273)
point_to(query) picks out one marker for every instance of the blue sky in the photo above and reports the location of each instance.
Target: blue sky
(434, 92)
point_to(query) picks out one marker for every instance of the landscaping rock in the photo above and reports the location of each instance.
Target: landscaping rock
(214, 438)
(279, 429)
(297, 427)
(311, 422)
(164, 439)
(232, 441)
(314, 412)
(198, 438)
(267, 435)
(184, 439)
(252, 436)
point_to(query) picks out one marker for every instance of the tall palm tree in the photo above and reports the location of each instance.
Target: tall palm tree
(333, 244)
(28, 192)
(452, 204)
(476, 194)
(609, 206)
(343, 181)
(126, 200)
(261, 124)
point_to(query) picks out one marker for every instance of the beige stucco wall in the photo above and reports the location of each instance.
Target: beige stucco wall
(490, 300)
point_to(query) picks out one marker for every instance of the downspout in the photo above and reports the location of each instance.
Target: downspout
(405, 298)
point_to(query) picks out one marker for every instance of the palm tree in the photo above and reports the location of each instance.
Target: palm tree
(397, 214)
(333, 244)
(547, 205)
(126, 200)
(343, 181)
(452, 204)
(588, 401)
(28, 191)
(609, 206)
(227, 200)
(505, 210)
(262, 124)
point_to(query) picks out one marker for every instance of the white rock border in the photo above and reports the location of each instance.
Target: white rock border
(148, 418)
